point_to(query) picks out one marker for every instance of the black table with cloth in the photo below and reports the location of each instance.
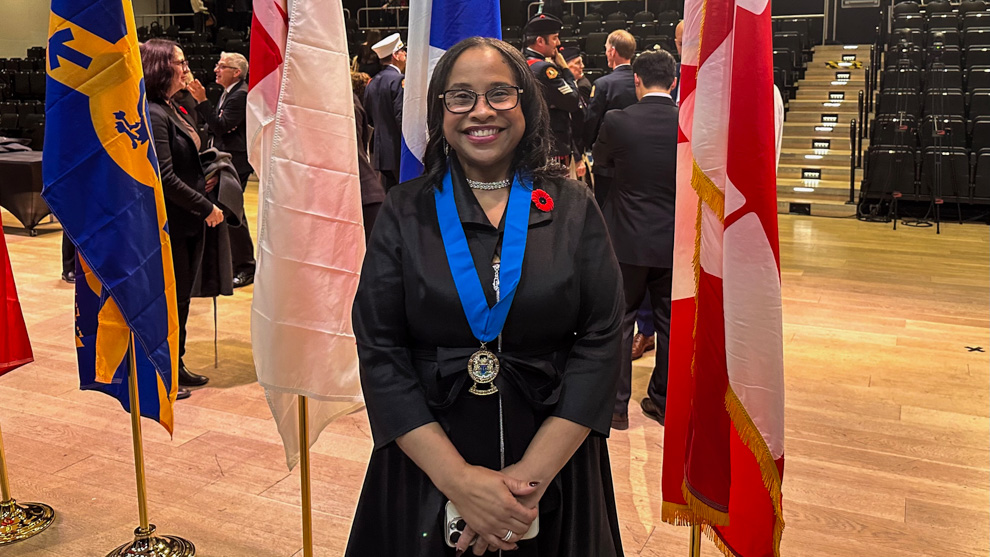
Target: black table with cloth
(559, 357)
(20, 187)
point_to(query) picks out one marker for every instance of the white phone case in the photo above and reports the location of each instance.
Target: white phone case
(453, 517)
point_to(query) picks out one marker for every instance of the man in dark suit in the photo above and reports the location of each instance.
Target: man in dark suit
(614, 91)
(228, 132)
(541, 41)
(640, 144)
(383, 103)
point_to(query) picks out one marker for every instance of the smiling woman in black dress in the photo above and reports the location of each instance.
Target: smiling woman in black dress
(488, 226)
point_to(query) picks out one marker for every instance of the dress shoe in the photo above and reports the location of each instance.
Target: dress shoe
(620, 421)
(651, 410)
(69, 276)
(183, 393)
(642, 343)
(243, 279)
(190, 379)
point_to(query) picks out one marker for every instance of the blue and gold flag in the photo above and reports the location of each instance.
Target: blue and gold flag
(102, 182)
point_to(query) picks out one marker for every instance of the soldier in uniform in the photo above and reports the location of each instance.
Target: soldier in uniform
(383, 102)
(541, 41)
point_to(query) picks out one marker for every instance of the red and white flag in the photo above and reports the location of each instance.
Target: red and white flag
(724, 437)
(311, 233)
(15, 348)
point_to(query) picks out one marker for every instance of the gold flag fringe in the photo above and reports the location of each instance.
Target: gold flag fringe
(704, 514)
(677, 514)
(751, 436)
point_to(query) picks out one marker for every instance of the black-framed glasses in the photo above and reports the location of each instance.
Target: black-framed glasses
(462, 101)
(182, 63)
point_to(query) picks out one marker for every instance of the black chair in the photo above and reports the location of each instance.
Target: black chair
(588, 27)
(800, 26)
(666, 28)
(942, 77)
(22, 84)
(36, 53)
(570, 21)
(949, 56)
(945, 131)
(643, 30)
(593, 73)
(914, 37)
(8, 123)
(895, 78)
(976, 36)
(975, 19)
(977, 77)
(910, 7)
(595, 43)
(617, 16)
(967, 6)
(895, 101)
(978, 56)
(663, 41)
(889, 169)
(669, 16)
(9, 107)
(37, 136)
(644, 17)
(979, 133)
(981, 176)
(894, 130)
(909, 21)
(784, 59)
(979, 103)
(952, 165)
(781, 79)
(25, 65)
(5, 92)
(29, 121)
(614, 25)
(511, 32)
(593, 16)
(948, 37)
(947, 20)
(38, 81)
(945, 102)
(937, 7)
(11, 64)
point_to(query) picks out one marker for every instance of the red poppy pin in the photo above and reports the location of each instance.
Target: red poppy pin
(543, 201)
(183, 109)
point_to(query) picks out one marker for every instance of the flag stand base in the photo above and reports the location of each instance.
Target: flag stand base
(20, 522)
(696, 540)
(147, 544)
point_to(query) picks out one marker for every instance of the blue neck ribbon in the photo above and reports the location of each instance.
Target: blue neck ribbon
(486, 322)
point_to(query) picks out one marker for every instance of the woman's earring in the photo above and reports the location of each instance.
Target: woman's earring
(446, 147)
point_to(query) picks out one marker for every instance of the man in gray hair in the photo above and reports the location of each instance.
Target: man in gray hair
(229, 134)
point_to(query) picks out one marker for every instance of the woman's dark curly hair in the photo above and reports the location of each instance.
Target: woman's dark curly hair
(533, 154)
(157, 56)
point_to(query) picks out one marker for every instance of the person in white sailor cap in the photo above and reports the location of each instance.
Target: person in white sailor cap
(383, 102)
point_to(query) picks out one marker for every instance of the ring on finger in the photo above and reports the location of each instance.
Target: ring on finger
(508, 536)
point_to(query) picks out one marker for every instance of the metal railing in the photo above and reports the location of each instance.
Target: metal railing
(822, 16)
(140, 19)
(400, 13)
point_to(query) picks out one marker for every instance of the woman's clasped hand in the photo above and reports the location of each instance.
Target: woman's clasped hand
(490, 503)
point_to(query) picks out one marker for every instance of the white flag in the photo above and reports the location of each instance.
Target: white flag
(311, 234)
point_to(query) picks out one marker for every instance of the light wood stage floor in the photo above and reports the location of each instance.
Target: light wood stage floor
(888, 436)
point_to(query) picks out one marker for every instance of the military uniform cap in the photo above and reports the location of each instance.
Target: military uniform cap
(543, 24)
(388, 46)
(570, 52)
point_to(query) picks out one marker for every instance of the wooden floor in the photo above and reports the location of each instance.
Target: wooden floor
(888, 436)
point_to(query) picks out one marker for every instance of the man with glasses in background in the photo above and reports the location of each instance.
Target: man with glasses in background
(226, 125)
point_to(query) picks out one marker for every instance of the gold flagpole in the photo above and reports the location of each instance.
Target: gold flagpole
(19, 522)
(307, 495)
(696, 540)
(146, 543)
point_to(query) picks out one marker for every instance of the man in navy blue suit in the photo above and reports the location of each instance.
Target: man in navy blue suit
(383, 102)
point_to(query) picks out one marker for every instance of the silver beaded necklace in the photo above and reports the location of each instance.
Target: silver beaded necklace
(489, 185)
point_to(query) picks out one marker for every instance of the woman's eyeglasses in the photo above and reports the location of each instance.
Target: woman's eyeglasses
(182, 63)
(462, 101)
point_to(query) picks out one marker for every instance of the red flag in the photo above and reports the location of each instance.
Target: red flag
(15, 348)
(724, 435)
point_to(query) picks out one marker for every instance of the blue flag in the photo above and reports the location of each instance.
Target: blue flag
(434, 27)
(102, 182)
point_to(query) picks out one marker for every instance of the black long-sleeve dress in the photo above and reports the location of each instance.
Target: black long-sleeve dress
(559, 357)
